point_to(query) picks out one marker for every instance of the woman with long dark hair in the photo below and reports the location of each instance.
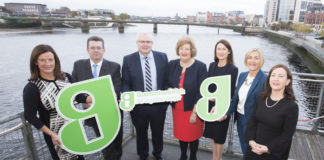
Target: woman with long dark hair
(274, 119)
(45, 82)
(223, 65)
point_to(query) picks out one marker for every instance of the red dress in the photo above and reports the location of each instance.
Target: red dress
(182, 129)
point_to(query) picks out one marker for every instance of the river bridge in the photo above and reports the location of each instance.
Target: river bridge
(46, 22)
(19, 140)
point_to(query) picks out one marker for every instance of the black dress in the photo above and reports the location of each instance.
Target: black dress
(218, 130)
(273, 127)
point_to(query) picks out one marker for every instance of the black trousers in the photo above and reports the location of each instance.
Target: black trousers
(114, 151)
(144, 116)
(50, 146)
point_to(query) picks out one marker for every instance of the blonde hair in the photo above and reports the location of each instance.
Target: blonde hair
(186, 40)
(257, 51)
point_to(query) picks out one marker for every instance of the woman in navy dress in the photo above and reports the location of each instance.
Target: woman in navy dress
(187, 73)
(274, 119)
(223, 65)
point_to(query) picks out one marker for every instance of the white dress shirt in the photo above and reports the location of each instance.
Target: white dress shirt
(243, 93)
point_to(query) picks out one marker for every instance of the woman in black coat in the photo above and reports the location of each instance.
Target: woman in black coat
(187, 73)
(274, 119)
(223, 65)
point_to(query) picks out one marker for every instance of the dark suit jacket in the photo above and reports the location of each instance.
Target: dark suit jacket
(194, 76)
(132, 75)
(82, 71)
(253, 93)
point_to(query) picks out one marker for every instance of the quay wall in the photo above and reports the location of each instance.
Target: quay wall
(308, 52)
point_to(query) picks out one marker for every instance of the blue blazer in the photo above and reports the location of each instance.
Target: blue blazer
(253, 93)
(132, 74)
(194, 76)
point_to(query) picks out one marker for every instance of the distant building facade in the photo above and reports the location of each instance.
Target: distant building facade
(26, 9)
(286, 10)
(301, 8)
(201, 17)
(218, 18)
(272, 11)
(63, 12)
(314, 14)
(3, 11)
(254, 20)
(235, 17)
(191, 18)
(279, 10)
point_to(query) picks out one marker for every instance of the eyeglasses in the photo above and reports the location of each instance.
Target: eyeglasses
(142, 42)
(95, 48)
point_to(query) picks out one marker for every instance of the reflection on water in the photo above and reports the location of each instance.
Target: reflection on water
(298, 64)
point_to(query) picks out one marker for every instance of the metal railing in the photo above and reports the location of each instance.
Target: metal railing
(22, 141)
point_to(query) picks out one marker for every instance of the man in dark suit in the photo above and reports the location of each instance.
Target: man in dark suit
(97, 66)
(145, 71)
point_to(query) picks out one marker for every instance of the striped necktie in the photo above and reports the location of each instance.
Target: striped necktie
(94, 73)
(148, 80)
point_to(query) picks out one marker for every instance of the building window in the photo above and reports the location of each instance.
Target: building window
(303, 5)
(301, 16)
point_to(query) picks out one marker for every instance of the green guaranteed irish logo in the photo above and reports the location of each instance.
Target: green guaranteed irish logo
(221, 95)
(104, 109)
(130, 99)
(106, 112)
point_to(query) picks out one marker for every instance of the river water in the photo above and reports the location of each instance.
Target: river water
(70, 44)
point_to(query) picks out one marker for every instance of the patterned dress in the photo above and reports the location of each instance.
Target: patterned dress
(48, 90)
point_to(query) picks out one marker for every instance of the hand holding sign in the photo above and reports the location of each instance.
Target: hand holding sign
(104, 109)
(221, 95)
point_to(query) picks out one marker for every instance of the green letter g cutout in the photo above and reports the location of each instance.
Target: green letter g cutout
(222, 97)
(104, 109)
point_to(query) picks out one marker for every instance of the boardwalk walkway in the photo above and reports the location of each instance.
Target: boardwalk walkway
(305, 146)
(170, 152)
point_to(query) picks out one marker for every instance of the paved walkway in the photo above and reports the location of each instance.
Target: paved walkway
(170, 152)
(308, 42)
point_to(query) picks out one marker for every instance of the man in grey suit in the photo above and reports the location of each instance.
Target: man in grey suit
(97, 66)
(145, 71)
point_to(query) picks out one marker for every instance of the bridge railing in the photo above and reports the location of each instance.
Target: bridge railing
(22, 141)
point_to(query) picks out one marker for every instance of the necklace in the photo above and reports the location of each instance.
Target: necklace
(248, 80)
(271, 105)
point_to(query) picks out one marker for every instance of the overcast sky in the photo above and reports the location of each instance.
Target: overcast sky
(155, 7)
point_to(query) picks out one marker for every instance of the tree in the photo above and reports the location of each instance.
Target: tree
(66, 9)
(75, 13)
(123, 16)
(275, 26)
(284, 25)
(112, 15)
(302, 28)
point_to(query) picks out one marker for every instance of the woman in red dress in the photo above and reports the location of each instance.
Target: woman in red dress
(187, 73)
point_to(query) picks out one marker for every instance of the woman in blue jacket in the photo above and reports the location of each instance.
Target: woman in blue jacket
(249, 85)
